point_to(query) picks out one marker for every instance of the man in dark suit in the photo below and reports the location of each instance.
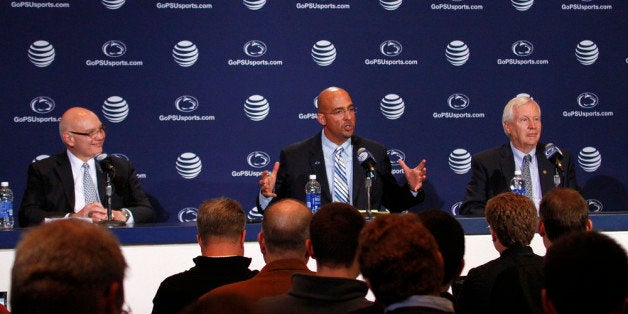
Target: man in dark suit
(316, 155)
(493, 169)
(72, 184)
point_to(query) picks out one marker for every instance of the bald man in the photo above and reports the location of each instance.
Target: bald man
(317, 155)
(59, 186)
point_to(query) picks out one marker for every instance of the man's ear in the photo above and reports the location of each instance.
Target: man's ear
(321, 119)
(262, 245)
(541, 228)
(309, 248)
(67, 139)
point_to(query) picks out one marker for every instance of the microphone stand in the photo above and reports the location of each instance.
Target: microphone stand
(368, 183)
(110, 222)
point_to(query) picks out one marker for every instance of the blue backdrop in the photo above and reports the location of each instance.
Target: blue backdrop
(202, 95)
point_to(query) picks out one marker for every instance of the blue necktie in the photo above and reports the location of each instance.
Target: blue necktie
(341, 187)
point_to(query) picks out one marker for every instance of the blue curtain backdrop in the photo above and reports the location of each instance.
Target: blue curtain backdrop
(202, 95)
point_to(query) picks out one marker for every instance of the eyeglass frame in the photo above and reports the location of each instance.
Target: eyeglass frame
(352, 109)
(93, 133)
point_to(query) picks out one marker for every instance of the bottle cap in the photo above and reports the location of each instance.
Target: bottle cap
(4, 184)
(517, 172)
(312, 177)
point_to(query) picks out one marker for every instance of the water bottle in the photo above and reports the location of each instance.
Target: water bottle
(6, 206)
(313, 194)
(517, 185)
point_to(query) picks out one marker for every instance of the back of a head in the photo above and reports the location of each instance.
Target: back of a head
(286, 226)
(399, 258)
(562, 211)
(66, 265)
(222, 218)
(449, 235)
(586, 272)
(334, 233)
(512, 217)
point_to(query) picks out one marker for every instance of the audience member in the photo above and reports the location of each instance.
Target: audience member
(68, 184)
(585, 272)
(511, 283)
(220, 223)
(562, 211)
(493, 169)
(449, 235)
(400, 260)
(285, 229)
(332, 156)
(333, 242)
(68, 266)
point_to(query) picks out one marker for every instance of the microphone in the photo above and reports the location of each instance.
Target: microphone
(553, 154)
(365, 158)
(104, 163)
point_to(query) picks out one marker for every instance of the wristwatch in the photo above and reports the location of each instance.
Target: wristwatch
(126, 212)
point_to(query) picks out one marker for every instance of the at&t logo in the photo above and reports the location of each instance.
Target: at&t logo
(113, 4)
(587, 100)
(590, 159)
(460, 161)
(42, 104)
(522, 48)
(390, 48)
(255, 48)
(390, 5)
(114, 48)
(522, 5)
(254, 4)
(186, 103)
(458, 101)
(41, 53)
(256, 107)
(324, 53)
(392, 106)
(185, 53)
(115, 109)
(189, 165)
(457, 53)
(258, 159)
(587, 52)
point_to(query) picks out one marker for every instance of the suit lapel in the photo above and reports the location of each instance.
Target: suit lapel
(317, 164)
(359, 181)
(507, 164)
(546, 169)
(64, 172)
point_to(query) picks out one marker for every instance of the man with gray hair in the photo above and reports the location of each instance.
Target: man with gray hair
(493, 169)
(221, 233)
(68, 266)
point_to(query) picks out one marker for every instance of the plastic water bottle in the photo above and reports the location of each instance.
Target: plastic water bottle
(313, 194)
(517, 185)
(6, 206)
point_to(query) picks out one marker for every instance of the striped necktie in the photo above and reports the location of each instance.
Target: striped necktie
(89, 190)
(341, 187)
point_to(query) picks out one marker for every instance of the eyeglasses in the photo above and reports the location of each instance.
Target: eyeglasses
(91, 134)
(341, 111)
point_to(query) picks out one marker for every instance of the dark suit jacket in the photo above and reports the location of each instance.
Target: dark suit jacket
(299, 160)
(484, 284)
(493, 169)
(50, 191)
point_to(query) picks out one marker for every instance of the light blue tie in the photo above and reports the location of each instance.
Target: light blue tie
(525, 171)
(341, 188)
(89, 190)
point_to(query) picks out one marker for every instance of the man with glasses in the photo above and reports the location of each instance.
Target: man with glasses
(72, 184)
(332, 156)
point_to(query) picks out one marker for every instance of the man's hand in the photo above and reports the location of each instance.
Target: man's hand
(267, 182)
(94, 211)
(415, 176)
